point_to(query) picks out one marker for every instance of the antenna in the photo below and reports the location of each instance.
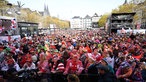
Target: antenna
(19, 4)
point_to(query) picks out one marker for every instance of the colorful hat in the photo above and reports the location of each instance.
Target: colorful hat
(125, 64)
(10, 61)
(29, 59)
(52, 46)
(85, 50)
(105, 60)
(60, 67)
(97, 41)
(91, 57)
(75, 56)
(56, 51)
(1, 48)
(99, 58)
(31, 50)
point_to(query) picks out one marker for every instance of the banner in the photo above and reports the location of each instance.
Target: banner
(4, 38)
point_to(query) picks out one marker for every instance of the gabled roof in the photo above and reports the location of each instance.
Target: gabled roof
(41, 13)
(95, 15)
(87, 17)
(75, 17)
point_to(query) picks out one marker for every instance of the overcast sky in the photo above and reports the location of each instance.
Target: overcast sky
(66, 9)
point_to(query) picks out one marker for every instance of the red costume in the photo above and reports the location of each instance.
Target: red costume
(74, 67)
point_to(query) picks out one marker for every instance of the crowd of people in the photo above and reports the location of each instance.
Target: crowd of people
(92, 53)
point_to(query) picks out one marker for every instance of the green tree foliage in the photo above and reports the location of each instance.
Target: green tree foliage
(126, 8)
(103, 20)
(24, 16)
(141, 11)
(46, 21)
(33, 17)
(3, 7)
(3, 3)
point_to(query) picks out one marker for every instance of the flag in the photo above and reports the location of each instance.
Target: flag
(123, 30)
(13, 24)
(1, 26)
(1, 30)
(138, 25)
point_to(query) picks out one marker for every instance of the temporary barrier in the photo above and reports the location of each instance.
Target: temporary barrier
(9, 38)
(28, 77)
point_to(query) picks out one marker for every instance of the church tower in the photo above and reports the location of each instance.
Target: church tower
(125, 2)
(46, 11)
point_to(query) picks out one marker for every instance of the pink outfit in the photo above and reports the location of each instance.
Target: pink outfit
(43, 66)
(74, 67)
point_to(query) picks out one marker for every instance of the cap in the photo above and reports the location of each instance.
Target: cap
(10, 61)
(105, 60)
(56, 51)
(63, 46)
(55, 56)
(1, 48)
(91, 57)
(84, 50)
(125, 64)
(75, 56)
(99, 58)
(102, 67)
(32, 50)
(29, 59)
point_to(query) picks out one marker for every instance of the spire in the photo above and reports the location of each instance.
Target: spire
(47, 10)
(44, 7)
(125, 2)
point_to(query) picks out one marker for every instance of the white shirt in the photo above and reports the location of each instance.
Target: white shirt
(110, 61)
(6, 67)
(25, 66)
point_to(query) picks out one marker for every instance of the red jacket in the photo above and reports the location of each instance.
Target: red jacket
(74, 66)
(43, 66)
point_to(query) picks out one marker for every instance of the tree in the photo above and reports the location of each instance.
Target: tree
(126, 8)
(46, 21)
(3, 7)
(103, 20)
(33, 17)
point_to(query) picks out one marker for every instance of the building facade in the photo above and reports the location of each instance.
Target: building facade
(87, 22)
(95, 20)
(76, 22)
(138, 1)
